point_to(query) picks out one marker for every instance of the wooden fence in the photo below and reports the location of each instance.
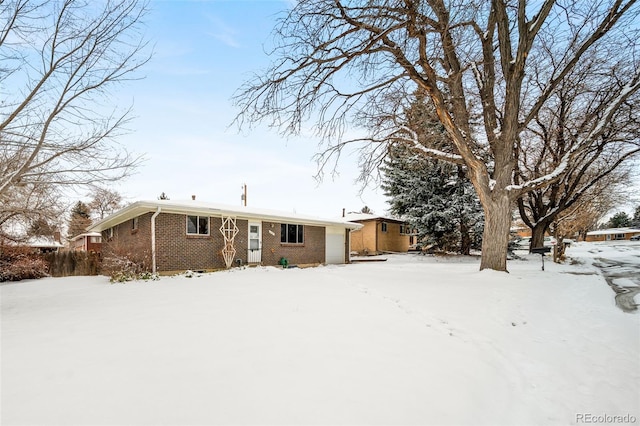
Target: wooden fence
(73, 263)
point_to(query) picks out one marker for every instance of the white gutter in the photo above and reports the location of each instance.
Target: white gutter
(153, 240)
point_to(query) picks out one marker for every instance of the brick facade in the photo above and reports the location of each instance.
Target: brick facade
(312, 251)
(127, 240)
(177, 251)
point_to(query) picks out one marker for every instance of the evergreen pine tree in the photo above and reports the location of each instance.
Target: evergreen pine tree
(80, 219)
(619, 220)
(435, 198)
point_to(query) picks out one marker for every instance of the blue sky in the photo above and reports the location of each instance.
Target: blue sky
(203, 52)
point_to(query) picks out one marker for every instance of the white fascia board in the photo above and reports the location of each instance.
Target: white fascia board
(86, 234)
(214, 210)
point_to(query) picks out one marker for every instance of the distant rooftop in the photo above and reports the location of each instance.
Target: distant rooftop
(358, 217)
(614, 231)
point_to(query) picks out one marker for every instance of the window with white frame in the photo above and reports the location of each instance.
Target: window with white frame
(291, 234)
(197, 225)
(134, 223)
(384, 226)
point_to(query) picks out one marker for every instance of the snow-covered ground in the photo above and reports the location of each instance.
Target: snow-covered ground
(413, 340)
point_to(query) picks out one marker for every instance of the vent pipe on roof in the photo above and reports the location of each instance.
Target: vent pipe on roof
(343, 210)
(193, 197)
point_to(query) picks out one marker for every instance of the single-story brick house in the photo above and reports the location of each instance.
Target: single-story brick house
(379, 234)
(190, 235)
(612, 234)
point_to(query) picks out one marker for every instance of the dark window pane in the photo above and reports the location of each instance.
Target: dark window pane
(300, 234)
(291, 233)
(192, 224)
(204, 225)
(283, 233)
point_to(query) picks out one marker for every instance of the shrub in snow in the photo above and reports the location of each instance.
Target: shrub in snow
(21, 263)
(124, 263)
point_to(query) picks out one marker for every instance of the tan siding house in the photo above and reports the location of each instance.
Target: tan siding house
(378, 234)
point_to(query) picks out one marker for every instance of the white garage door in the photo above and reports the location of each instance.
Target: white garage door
(334, 248)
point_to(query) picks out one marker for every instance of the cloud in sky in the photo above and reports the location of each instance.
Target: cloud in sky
(223, 32)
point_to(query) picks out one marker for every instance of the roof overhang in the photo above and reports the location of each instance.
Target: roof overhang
(214, 210)
(86, 234)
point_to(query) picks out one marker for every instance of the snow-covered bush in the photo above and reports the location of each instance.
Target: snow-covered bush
(21, 263)
(122, 263)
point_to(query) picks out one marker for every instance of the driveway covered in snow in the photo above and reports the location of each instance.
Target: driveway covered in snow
(619, 264)
(414, 340)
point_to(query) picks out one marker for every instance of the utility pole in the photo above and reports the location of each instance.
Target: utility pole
(243, 197)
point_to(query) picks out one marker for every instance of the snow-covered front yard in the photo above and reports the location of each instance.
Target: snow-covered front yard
(413, 340)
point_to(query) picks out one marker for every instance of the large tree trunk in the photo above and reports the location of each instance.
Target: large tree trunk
(495, 236)
(537, 234)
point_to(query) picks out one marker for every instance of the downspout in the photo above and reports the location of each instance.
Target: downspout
(153, 240)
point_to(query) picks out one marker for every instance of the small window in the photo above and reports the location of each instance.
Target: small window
(197, 225)
(291, 234)
(134, 223)
(384, 226)
(109, 234)
(619, 236)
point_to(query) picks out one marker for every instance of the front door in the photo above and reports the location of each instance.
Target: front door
(255, 243)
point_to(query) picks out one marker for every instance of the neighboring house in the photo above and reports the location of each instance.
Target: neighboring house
(45, 244)
(190, 235)
(89, 241)
(612, 234)
(379, 234)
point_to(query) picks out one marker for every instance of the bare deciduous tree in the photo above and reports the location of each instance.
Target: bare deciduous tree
(474, 59)
(104, 202)
(60, 61)
(570, 112)
(29, 203)
(584, 213)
